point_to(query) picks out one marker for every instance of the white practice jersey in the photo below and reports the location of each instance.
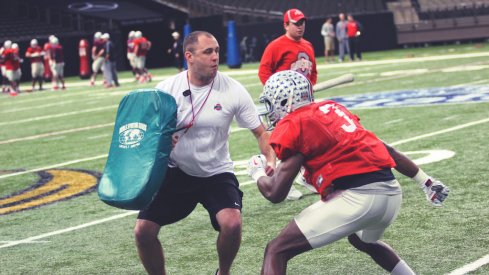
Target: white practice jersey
(203, 150)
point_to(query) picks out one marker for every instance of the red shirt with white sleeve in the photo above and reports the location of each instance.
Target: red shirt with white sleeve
(333, 142)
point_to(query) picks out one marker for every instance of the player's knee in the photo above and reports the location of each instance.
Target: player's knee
(144, 234)
(275, 248)
(357, 243)
(231, 225)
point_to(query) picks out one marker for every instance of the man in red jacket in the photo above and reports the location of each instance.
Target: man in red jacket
(289, 51)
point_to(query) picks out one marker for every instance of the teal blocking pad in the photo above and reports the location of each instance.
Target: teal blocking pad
(140, 148)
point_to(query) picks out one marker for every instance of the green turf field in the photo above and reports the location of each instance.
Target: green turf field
(62, 138)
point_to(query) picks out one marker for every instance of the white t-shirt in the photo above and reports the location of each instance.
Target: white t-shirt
(203, 150)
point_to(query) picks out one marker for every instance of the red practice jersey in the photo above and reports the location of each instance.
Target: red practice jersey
(12, 59)
(98, 46)
(333, 142)
(284, 53)
(35, 54)
(142, 46)
(56, 53)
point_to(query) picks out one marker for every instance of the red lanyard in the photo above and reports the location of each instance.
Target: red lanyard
(194, 115)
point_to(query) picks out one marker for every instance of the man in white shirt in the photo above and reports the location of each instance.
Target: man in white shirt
(201, 170)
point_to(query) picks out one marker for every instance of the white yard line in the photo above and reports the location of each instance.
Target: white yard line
(58, 115)
(69, 229)
(56, 133)
(52, 166)
(34, 238)
(473, 266)
(458, 127)
(18, 109)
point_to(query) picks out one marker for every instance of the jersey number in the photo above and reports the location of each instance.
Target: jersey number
(349, 127)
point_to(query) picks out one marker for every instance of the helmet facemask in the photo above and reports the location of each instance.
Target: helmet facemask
(283, 93)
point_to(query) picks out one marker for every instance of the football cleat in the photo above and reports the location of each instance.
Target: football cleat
(294, 194)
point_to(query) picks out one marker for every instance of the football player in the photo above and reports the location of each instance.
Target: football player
(98, 50)
(141, 47)
(348, 166)
(12, 66)
(56, 63)
(35, 54)
(130, 53)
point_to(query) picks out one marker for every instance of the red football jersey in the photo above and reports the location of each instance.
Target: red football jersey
(141, 46)
(56, 53)
(35, 54)
(284, 53)
(12, 59)
(333, 142)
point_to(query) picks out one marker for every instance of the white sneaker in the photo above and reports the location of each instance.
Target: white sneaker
(301, 180)
(294, 194)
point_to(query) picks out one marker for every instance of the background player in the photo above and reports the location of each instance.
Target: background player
(35, 55)
(98, 51)
(141, 48)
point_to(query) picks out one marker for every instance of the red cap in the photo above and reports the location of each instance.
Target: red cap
(293, 15)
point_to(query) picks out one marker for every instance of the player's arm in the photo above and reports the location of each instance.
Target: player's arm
(276, 187)
(262, 136)
(436, 192)
(265, 70)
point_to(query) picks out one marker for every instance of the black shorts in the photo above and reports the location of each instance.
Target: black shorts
(180, 193)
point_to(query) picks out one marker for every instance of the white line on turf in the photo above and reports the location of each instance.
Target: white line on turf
(56, 133)
(471, 266)
(59, 115)
(52, 166)
(14, 243)
(69, 229)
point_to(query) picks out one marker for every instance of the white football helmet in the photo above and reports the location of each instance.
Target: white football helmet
(131, 34)
(138, 34)
(283, 93)
(34, 42)
(7, 44)
(97, 35)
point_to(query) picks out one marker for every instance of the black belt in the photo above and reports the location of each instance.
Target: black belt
(358, 180)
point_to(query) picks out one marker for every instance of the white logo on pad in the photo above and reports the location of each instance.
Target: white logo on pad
(131, 135)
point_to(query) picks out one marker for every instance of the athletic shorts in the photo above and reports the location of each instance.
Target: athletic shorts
(13, 75)
(37, 69)
(97, 64)
(131, 57)
(180, 193)
(140, 62)
(57, 69)
(329, 43)
(345, 212)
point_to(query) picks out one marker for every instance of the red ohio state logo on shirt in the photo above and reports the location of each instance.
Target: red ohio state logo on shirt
(218, 107)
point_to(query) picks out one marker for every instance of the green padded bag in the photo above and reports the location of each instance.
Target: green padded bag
(140, 148)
